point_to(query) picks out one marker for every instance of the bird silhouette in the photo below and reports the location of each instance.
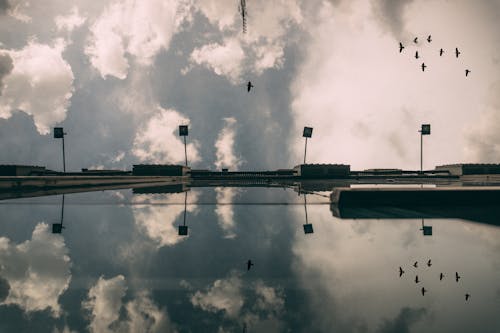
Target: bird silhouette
(467, 296)
(249, 86)
(249, 264)
(441, 276)
(457, 277)
(441, 51)
(423, 67)
(416, 279)
(467, 72)
(429, 39)
(415, 264)
(401, 272)
(423, 291)
(415, 40)
(429, 264)
(457, 52)
(416, 55)
(401, 47)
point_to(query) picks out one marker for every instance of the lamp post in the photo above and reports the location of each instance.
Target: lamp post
(306, 134)
(183, 229)
(425, 130)
(58, 227)
(183, 131)
(59, 134)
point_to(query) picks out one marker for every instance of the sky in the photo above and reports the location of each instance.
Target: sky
(120, 76)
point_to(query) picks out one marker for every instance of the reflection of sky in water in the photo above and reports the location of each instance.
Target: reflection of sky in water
(119, 266)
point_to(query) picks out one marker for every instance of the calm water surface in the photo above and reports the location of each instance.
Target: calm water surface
(119, 265)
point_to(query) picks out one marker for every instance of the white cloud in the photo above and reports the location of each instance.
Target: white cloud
(71, 21)
(224, 146)
(136, 28)
(224, 211)
(40, 84)
(105, 302)
(158, 141)
(37, 270)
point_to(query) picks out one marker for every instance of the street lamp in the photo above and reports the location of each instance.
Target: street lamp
(59, 134)
(426, 229)
(425, 130)
(58, 227)
(308, 131)
(308, 227)
(183, 131)
(183, 229)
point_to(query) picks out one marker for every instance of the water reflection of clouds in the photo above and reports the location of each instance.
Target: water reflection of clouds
(37, 271)
(224, 211)
(109, 313)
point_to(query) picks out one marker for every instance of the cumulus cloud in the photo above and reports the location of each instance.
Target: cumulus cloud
(158, 140)
(6, 66)
(4, 289)
(40, 84)
(403, 321)
(133, 28)
(391, 14)
(158, 222)
(37, 270)
(226, 157)
(224, 211)
(4, 6)
(105, 303)
(71, 21)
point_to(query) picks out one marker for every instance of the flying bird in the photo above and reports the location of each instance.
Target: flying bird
(441, 276)
(249, 264)
(429, 264)
(467, 72)
(401, 272)
(429, 39)
(416, 55)
(416, 279)
(423, 291)
(401, 47)
(457, 277)
(441, 51)
(423, 67)
(249, 86)
(467, 296)
(457, 52)
(415, 264)
(415, 40)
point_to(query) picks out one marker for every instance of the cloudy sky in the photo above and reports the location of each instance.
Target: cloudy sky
(121, 75)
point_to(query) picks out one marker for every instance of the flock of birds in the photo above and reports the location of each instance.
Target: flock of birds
(441, 52)
(441, 277)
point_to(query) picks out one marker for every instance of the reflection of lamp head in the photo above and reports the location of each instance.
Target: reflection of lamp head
(57, 228)
(308, 228)
(426, 229)
(183, 230)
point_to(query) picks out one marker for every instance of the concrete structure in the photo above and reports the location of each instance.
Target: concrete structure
(160, 170)
(322, 170)
(22, 170)
(470, 169)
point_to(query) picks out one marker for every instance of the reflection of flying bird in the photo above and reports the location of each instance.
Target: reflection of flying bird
(441, 51)
(416, 55)
(415, 40)
(429, 39)
(401, 272)
(429, 264)
(249, 86)
(423, 67)
(457, 52)
(415, 264)
(457, 277)
(249, 264)
(441, 276)
(401, 47)
(467, 296)
(467, 72)
(423, 291)
(416, 279)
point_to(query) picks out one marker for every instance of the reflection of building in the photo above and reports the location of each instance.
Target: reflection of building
(322, 170)
(470, 169)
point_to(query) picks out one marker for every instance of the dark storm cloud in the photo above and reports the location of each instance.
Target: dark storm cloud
(4, 6)
(402, 323)
(4, 289)
(6, 65)
(391, 14)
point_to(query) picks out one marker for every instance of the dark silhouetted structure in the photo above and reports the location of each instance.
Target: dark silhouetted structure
(59, 134)
(159, 170)
(183, 229)
(183, 131)
(424, 130)
(21, 170)
(58, 227)
(322, 170)
(307, 133)
(308, 228)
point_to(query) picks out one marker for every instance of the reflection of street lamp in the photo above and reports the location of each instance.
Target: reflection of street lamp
(183, 131)
(308, 131)
(59, 134)
(425, 130)
(183, 229)
(426, 229)
(58, 227)
(308, 228)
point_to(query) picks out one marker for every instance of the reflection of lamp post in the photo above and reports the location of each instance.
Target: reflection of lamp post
(183, 131)
(59, 134)
(308, 228)
(183, 229)
(425, 130)
(308, 131)
(426, 229)
(58, 227)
